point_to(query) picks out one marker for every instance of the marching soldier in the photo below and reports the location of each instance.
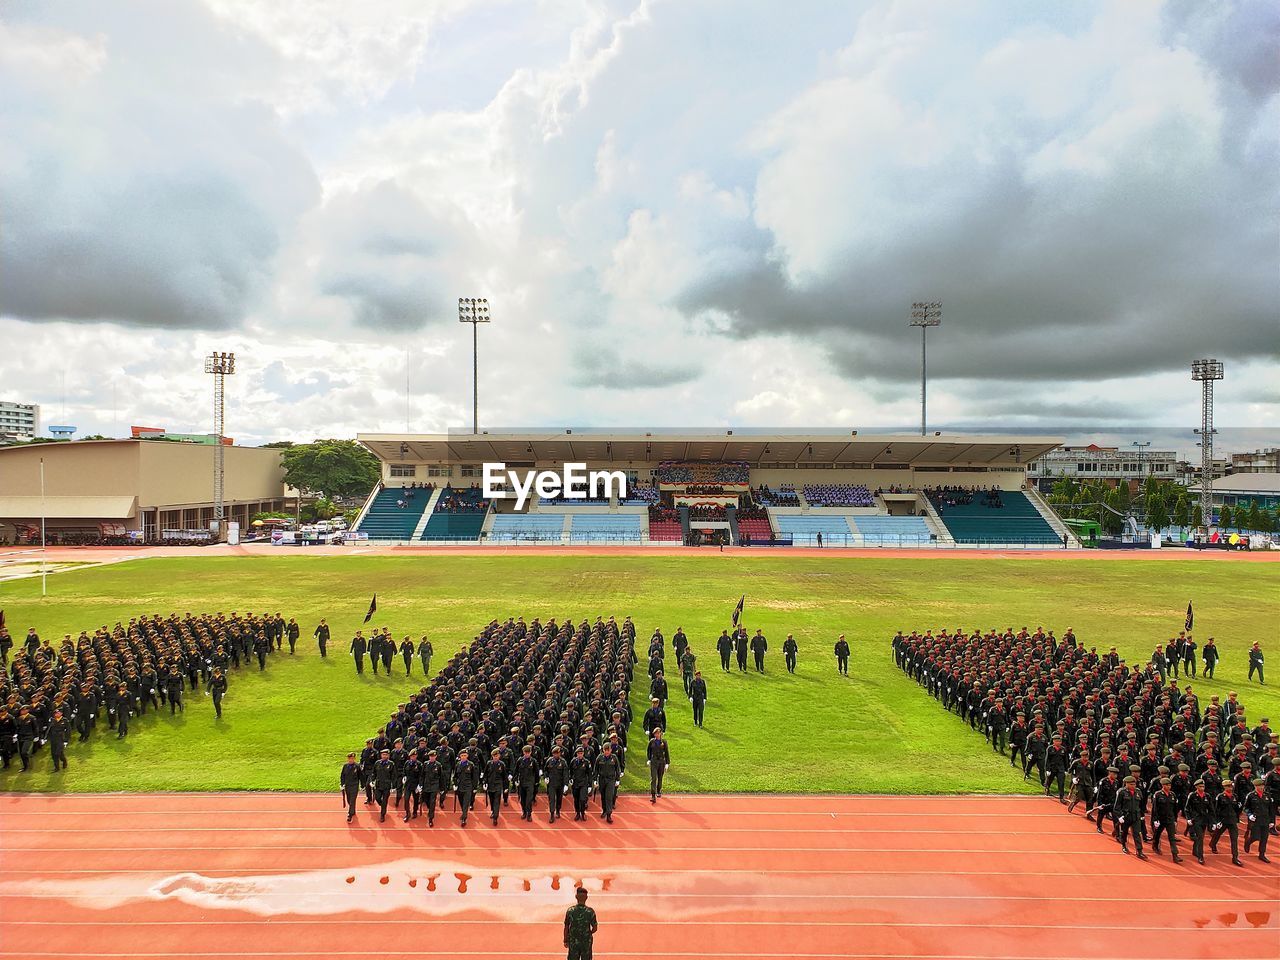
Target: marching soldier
(466, 779)
(659, 761)
(724, 647)
(321, 633)
(789, 651)
(758, 647)
(218, 690)
(698, 697)
(425, 651)
(292, 631)
(495, 782)
(740, 649)
(1260, 811)
(608, 776)
(580, 774)
(1255, 663)
(1128, 808)
(358, 648)
(1199, 812)
(1226, 817)
(557, 782)
(384, 775)
(842, 656)
(1164, 818)
(406, 651)
(526, 777)
(349, 783)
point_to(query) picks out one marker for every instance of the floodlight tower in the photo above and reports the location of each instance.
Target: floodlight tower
(221, 365)
(924, 315)
(1142, 448)
(474, 312)
(1206, 371)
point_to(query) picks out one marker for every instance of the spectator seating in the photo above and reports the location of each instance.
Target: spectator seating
(464, 517)
(642, 494)
(804, 529)
(672, 472)
(784, 496)
(573, 501)
(1016, 522)
(542, 527)
(892, 530)
(386, 521)
(838, 495)
(754, 528)
(665, 531)
(605, 526)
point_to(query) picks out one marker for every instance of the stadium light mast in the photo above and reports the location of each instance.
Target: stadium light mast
(221, 365)
(924, 315)
(1141, 446)
(474, 312)
(1206, 371)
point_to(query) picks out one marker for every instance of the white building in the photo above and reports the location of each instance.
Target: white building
(19, 421)
(1109, 464)
(1259, 461)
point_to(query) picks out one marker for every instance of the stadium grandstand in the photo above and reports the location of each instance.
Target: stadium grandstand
(818, 490)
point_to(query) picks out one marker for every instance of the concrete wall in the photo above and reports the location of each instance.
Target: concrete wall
(86, 469)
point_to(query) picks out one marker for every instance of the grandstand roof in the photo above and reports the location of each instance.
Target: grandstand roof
(852, 449)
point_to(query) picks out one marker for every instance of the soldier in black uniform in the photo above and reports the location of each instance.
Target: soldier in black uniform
(724, 647)
(466, 776)
(349, 783)
(368, 757)
(358, 647)
(842, 656)
(580, 776)
(658, 761)
(292, 631)
(1035, 751)
(1128, 809)
(407, 651)
(1164, 818)
(495, 782)
(58, 734)
(217, 690)
(557, 781)
(411, 776)
(1055, 768)
(321, 634)
(374, 647)
(1259, 811)
(608, 776)
(758, 647)
(384, 777)
(698, 697)
(658, 688)
(1256, 663)
(740, 649)
(388, 651)
(425, 650)
(173, 689)
(1199, 813)
(526, 777)
(789, 651)
(1226, 818)
(654, 717)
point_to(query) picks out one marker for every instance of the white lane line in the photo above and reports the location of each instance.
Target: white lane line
(648, 924)
(736, 899)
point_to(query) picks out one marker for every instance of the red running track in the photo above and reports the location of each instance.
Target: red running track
(256, 876)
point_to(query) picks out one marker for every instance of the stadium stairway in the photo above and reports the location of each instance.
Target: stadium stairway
(1045, 509)
(1017, 522)
(731, 514)
(385, 521)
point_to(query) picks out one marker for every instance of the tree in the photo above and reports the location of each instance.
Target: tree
(1255, 516)
(1157, 513)
(333, 468)
(278, 445)
(1112, 520)
(1197, 517)
(1224, 517)
(1182, 511)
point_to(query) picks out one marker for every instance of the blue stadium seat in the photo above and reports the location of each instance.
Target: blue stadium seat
(892, 530)
(386, 521)
(605, 526)
(540, 527)
(803, 529)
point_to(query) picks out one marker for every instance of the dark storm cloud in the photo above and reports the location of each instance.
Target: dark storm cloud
(121, 203)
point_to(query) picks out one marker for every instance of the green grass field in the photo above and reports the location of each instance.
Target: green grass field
(875, 732)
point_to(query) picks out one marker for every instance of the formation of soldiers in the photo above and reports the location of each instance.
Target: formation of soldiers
(527, 707)
(1134, 747)
(382, 650)
(111, 675)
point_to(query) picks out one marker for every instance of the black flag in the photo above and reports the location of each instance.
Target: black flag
(373, 608)
(737, 611)
(1190, 617)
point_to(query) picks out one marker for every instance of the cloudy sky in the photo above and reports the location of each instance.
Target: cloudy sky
(683, 212)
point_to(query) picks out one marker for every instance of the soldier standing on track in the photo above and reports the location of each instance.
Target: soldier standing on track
(758, 647)
(384, 774)
(467, 777)
(724, 647)
(557, 782)
(1260, 811)
(495, 781)
(608, 776)
(1164, 818)
(698, 696)
(349, 782)
(1199, 812)
(1128, 812)
(842, 656)
(368, 757)
(1226, 818)
(580, 927)
(358, 647)
(321, 634)
(526, 776)
(658, 761)
(580, 778)
(789, 651)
